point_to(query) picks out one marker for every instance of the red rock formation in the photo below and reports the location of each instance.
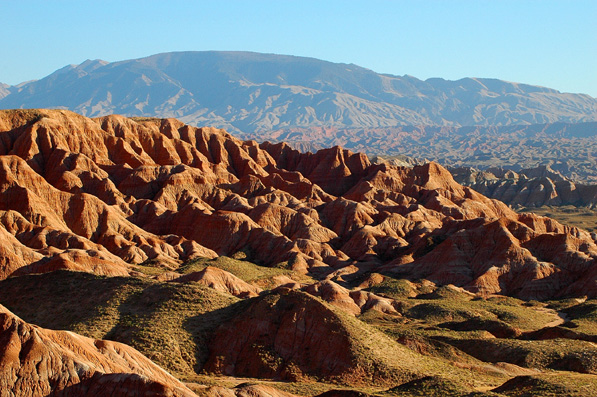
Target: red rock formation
(97, 195)
(40, 362)
(354, 302)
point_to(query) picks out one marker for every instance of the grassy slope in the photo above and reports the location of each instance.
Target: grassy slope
(168, 322)
(172, 323)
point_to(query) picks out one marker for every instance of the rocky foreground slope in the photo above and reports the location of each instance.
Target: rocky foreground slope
(41, 362)
(393, 278)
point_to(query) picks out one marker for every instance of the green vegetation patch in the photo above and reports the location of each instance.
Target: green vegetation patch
(510, 311)
(558, 354)
(394, 288)
(550, 385)
(170, 323)
(244, 270)
(583, 317)
(431, 386)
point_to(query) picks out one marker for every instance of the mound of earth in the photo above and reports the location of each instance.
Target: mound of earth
(549, 386)
(304, 338)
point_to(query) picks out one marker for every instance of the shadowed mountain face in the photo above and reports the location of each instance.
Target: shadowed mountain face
(101, 195)
(254, 92)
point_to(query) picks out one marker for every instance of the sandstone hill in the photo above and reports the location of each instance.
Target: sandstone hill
(252, 92)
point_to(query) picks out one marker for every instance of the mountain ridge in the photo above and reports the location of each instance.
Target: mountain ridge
(254, 92)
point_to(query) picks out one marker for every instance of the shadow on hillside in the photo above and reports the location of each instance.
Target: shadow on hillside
(61, 299)
(113, 385)
(204, 326)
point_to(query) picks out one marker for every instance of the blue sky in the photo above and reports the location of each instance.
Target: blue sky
(542, 42)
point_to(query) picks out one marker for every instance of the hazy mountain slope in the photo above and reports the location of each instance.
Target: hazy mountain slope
(4, 90)
(251, 92)
(567, 148)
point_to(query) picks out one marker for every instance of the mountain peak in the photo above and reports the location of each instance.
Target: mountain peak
(92, 64)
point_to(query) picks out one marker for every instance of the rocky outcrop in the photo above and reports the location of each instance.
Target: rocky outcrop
(40, 362)
(102, 195)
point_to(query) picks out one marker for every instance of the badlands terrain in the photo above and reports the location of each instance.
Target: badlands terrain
(143, 256)
(540, 190)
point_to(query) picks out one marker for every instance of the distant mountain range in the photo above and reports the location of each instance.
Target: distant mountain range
(4, 90)
(252, 93)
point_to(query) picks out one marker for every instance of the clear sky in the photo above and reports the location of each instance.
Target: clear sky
(542, 42)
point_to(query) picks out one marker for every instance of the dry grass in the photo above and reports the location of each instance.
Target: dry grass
(168, 322)
(394, 288)
(581, 217)
(583, 317)
(551, 385)
(508, 310)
